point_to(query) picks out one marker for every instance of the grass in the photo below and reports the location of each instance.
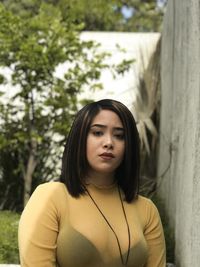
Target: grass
(8, 237)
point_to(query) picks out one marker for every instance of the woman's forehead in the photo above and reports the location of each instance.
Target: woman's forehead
(107, 117)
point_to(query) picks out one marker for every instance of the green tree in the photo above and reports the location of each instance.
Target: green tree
(34, 122)
(101, 15)
(116, 15)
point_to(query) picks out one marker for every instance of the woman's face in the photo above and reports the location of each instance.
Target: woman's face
(105, 143)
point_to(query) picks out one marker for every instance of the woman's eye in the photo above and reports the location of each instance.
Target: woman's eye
(97, 133)
(119, 136)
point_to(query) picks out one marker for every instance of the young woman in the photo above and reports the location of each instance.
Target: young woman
(94, 216)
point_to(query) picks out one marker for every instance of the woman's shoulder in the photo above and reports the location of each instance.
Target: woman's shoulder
(51, 192)
(146, 208)
(51, 186)
(142, 201)
(49, 196)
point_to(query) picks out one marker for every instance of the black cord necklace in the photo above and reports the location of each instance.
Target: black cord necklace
(124, 262)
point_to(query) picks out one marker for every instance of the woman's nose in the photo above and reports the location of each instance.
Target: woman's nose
(108, 142)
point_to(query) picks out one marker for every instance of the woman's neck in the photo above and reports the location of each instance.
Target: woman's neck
(100, 180)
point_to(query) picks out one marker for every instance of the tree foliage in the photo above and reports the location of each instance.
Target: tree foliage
(118, 15)
(36, 119)
(101, 15)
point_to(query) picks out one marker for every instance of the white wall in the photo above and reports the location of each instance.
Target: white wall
(121, 88)
(136, 45)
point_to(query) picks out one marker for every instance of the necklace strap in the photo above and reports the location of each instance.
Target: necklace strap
(110, 186)
(124, 262)
(128, 229)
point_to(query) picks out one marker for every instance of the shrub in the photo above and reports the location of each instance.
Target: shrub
(8, 237)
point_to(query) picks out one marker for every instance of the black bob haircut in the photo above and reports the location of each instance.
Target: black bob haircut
(74, 161)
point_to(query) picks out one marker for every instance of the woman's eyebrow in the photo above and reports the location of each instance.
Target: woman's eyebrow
(104, 126)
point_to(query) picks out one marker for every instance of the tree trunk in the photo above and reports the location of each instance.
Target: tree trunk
(31, 165)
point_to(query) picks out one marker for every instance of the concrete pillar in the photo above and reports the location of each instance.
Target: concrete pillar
(179, 151)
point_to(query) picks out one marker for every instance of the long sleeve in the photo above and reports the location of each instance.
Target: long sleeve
(155, 238)
(38, 228)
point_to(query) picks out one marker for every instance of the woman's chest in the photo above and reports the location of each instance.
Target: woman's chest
(99, 235)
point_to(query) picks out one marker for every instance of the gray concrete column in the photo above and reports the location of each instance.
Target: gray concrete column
(180, 126)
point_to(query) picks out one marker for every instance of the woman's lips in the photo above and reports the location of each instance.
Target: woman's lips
(107, 156)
